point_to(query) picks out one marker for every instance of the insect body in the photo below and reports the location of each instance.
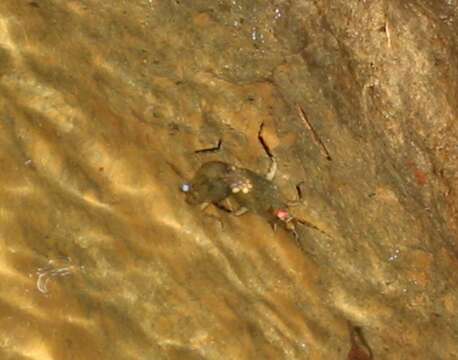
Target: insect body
(216, 181)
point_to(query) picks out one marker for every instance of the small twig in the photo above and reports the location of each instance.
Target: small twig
(387, 26)
(273, 166)
(263, 142)
(388, 34)
(299, 190)
(315, 136)
(211, 149)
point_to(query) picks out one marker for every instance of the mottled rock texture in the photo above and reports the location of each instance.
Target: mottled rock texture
(103, 107)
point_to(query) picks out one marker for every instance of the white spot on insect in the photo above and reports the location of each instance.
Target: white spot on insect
(394, 256)
(185, 187)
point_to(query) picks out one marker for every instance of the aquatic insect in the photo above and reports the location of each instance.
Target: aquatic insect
(216, 181)
(55, 268)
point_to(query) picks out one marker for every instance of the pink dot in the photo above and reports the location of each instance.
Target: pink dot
(282, 214)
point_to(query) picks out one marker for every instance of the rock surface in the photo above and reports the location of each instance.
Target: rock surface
(104, 108)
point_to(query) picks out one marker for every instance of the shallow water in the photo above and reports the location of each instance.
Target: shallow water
(103, 108)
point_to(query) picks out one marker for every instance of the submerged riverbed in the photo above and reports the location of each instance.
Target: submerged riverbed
(108, 107)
